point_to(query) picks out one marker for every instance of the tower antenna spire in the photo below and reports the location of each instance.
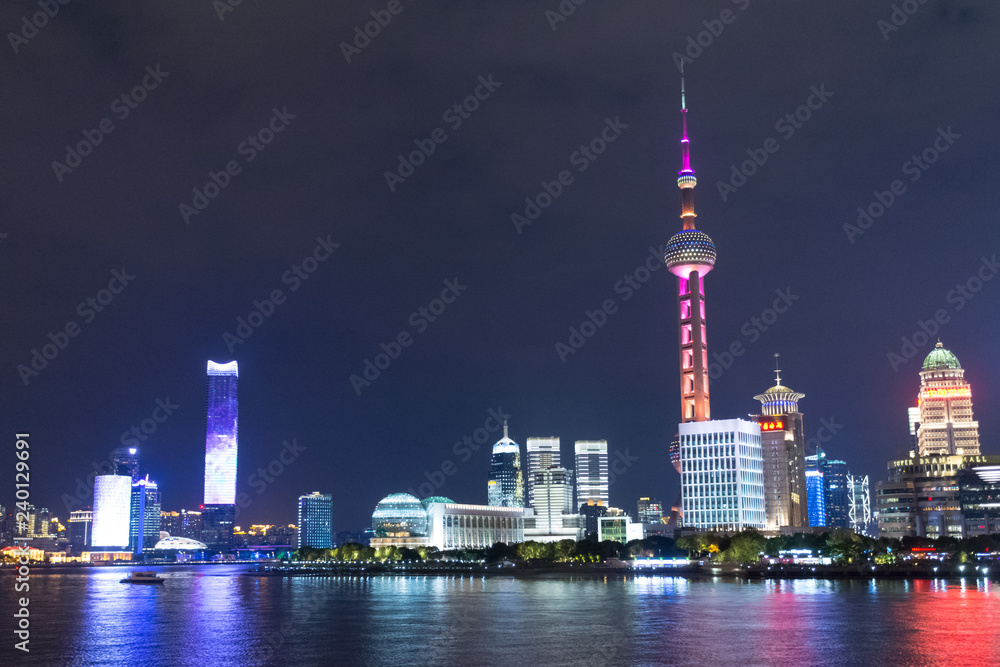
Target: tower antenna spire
(777, 371)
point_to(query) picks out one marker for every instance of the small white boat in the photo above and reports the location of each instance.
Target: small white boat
(142, 578)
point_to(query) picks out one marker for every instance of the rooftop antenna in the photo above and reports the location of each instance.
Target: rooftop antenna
(777, 371)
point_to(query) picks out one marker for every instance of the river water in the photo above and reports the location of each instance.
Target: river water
(215, 615)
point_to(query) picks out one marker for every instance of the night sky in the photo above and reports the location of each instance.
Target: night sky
(888, 93)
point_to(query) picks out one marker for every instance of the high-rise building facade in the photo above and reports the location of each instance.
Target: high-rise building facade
(126, 462)
(80, 527)
(316, 521)
(837, 492)
(553, 518)
(591, 472)
(505, 487)
(979, 497)
(722, 483)
(112, 509)
(816, 492)
(541, 453)
(945, 402)
(783, 449)
(221, 446)
(649, 510)
(221, 434)
(144, 523)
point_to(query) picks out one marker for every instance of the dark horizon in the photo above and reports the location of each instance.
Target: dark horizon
(357, 254)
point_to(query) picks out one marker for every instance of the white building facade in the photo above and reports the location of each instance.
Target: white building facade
(722, 480)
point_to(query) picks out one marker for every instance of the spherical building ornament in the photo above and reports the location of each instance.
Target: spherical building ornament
(940, 359)
(689, 250)
(399, 515)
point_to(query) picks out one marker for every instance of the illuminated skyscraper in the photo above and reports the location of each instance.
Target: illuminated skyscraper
(591, 472)
(144, 525)
(541, 453)
(816, 497)
(650, 510)
(220, 436)
(316, 521)
(945, 402)
(112, 503)
(784, 451)
(126, 462)
(505, 487)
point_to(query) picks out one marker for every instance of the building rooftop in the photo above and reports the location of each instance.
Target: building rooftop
(940, 358)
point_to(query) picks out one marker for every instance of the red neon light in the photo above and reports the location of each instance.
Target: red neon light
(923, 549)
(771, 426)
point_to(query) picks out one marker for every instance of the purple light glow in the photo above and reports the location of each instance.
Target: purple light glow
(221, 434)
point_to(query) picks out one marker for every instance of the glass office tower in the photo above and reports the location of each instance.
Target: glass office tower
(316, 521)
(220, 435)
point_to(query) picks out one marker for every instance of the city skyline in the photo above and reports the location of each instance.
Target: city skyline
(365, 261)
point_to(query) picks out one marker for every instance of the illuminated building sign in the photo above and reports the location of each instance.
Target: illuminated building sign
(945, 392)
(948, 392)
(772, 426)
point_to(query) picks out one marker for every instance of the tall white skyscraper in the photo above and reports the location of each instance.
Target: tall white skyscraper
(591, 472)
(722, 475)
(112, 507)
(542, 453)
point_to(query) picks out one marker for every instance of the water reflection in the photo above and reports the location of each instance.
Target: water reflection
(226, 618)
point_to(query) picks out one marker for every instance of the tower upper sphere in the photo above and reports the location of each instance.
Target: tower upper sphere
(689, 250)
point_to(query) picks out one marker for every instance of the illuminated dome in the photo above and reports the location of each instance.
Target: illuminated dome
(399, 515)
(940, 359)
(180, 544)
(437, 499)
(689, 250)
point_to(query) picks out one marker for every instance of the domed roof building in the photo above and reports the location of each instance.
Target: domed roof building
(399, 515)
(940, 359)
(946, 425)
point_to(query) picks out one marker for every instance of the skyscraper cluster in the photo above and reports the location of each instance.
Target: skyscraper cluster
(944, 486)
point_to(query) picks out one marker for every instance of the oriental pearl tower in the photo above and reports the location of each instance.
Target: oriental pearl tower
(689, 255)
